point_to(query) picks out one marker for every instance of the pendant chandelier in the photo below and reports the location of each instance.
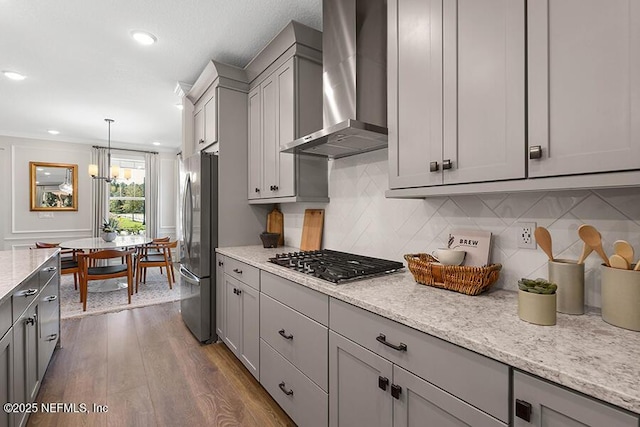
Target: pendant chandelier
(66, 186)
(114, 170)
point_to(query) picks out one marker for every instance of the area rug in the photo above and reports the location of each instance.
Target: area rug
(155, 291)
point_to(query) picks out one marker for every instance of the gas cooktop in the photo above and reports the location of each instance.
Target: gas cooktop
(334, 266)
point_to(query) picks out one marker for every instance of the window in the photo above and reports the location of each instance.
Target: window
(126, 195)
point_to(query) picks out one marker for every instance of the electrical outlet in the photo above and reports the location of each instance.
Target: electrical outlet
(525, 235)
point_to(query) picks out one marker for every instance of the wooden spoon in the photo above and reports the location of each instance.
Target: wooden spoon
(624, 249)
(637, 268)
(592, 237)
(586, 250)
(544, 241)
(618, 261)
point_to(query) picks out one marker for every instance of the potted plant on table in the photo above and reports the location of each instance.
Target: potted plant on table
(537, 301)
(109, 229)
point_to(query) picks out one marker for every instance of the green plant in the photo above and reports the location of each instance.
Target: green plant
(537, 286)
(110, 225)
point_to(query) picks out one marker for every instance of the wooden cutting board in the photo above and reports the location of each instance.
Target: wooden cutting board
(275, 224)
(312, 230)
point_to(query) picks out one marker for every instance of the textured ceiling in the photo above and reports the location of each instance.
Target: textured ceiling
(82, 65)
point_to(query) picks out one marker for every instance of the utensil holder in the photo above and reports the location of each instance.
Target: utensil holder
(620, 291)
(569, 276)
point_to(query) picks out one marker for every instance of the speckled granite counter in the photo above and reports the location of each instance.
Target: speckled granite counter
(17, 265)
(581, 352)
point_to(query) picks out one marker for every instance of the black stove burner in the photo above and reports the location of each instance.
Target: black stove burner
(334, 266)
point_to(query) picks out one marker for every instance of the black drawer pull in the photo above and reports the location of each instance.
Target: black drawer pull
(220, 263)
(383, 382)
(29, 292)
(50, 269)
(284, 390)
(284, 335)
(31, 320)
(237, 271)
(523, 410)
(383, 339)
(395, 391)
(51, 298)
(52, 337)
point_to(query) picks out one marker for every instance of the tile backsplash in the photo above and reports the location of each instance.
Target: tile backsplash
(360, 219)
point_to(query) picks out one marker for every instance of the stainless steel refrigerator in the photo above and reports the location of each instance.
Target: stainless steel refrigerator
(198, 240)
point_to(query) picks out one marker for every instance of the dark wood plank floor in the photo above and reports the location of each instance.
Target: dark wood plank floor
(147, 368)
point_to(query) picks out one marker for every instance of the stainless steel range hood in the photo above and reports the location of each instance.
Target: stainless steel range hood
(354, 76)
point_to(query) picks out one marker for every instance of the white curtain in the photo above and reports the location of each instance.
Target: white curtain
(151, 200)
(100, 191)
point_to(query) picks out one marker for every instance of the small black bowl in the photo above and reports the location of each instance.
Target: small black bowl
(270, 240)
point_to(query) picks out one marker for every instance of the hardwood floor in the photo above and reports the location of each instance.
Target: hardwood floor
(147, 368)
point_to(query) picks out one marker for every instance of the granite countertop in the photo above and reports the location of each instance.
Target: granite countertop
(18, 264)
(580, 352)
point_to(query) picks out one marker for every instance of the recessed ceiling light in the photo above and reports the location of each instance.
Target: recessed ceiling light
(47, 173)
(39, 169)
(155, 143)
(13, 75)
(143, 37)
(53, 131)
(179, 106)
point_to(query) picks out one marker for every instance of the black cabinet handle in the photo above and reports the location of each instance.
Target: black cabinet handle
(52, 337)
(51, 298)
(383, 339)
(395, 391)
(284, 390)
(237, 271)
(50, 269)
(257, 190)
(201, 141)
(275, 188)
(284, 335)
(446, 164)
(383, 382)
(29, 292)
(220, 263)
(523, 410)
(31, 320)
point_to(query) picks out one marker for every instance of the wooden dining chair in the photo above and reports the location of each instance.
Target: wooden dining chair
(90, 272)
(157, 255)
(68, 260)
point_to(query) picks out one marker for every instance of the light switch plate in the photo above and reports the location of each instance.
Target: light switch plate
(525, 237)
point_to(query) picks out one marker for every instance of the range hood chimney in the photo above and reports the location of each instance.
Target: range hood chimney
(354, 63)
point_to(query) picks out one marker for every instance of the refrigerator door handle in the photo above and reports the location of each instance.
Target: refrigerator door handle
(187, 276)
(187, 215)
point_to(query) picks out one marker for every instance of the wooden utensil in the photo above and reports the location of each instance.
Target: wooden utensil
(312, 230)
(592, 237)
(544, 241)
(637, 267)
(618, 261)
(624, 249)
(275, 223)
(586, 250)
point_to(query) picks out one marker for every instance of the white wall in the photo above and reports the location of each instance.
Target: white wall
(20, 227)
(360, 219)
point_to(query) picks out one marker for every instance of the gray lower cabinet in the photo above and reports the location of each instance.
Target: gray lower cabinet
(6, 376)
(220, 294)
(25, 360)
(539, 403)
(242, 322)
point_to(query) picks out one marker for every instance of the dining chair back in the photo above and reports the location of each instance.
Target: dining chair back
(156, 254)
(68, 260)
(90, 271)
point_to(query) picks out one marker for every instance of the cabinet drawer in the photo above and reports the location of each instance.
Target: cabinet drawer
(24, 294)
(306, 404)
(312, 303)
(301, 341)
(48, 302)
(244, 272)
(5, 317)
(476, 379)
(49, 335)
(48, 270)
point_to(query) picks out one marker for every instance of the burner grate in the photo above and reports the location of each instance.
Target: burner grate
(334, 266)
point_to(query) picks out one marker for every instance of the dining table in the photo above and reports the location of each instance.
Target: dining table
(98, 243)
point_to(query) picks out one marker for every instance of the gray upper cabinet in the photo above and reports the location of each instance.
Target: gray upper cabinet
(456, 91)
(584, 86)
(285, 103)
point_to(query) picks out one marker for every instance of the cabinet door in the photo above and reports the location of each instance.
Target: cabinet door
(415, 92)
(220, 297)
(6, 376)
(270, 146)
(584, 85)
(25, 360)
(555, 406)
(198, 129)
(286, 128)
(356, 381)
(232, 312)
(255, 144)
(250, 350)
(420, 403)
(210, 120)
(484, 90)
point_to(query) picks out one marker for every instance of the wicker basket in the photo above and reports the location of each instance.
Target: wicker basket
(467, 280)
